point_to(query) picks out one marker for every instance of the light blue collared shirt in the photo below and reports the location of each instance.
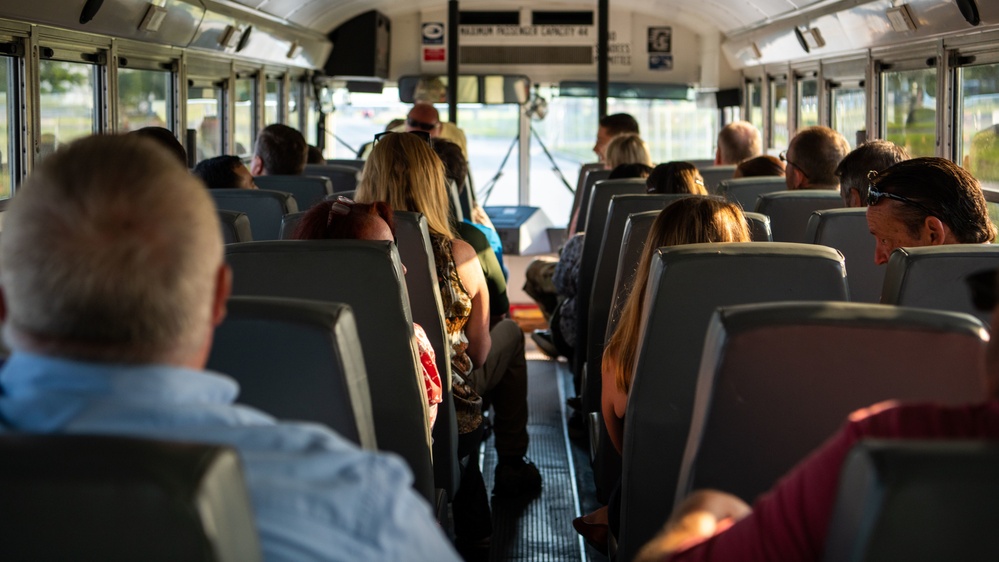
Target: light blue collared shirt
(315, 495)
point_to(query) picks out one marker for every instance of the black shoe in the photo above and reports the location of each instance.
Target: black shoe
(517, 478)
(543, 339)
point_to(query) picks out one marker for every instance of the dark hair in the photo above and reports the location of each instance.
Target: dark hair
(631, 170)
(166, 139)
(817, 152)
(675, 177)
(315, 156)
(322, 223)
(455, 166)
(760, 166)
(620, 123)
(952, 194)
(873, 155)
(219, 172)
(282, 150)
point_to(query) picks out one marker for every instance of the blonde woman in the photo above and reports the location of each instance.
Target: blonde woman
(627, 149)
(404, 171)
(691, 220)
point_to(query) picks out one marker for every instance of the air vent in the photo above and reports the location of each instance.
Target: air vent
(489, 18)
(562, 18)
(527, 55)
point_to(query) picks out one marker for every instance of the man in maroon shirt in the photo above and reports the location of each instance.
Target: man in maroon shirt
(790, 522)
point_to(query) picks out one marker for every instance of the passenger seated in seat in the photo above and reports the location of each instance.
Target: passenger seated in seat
(737, 142)
(343, 219)
(926, 202)
(852, 171)
(790, 522)
(404, 171)
(280, 151)
(811, 159)
(166, 139)
(224, 172)
(113, 279)
(628, 148)
(690, 220)
(675, 178)
(761, 166)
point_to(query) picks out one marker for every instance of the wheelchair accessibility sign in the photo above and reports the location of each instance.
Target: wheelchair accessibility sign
(660, 62)
(433, 33)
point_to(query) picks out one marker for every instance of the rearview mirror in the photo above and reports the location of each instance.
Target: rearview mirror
(491, 89)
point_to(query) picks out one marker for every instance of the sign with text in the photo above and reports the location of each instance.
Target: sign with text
(436, 54)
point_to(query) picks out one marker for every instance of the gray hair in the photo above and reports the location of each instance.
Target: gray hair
(110, 252)
(739, 141)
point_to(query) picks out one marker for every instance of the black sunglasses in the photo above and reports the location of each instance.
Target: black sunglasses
(874, 196)
(783, 158)
(422, 134)
(421, 125)
(982, 285)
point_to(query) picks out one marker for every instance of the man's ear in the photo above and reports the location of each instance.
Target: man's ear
(936, 231)
(223, 288)
(854, 198)
(256, 166)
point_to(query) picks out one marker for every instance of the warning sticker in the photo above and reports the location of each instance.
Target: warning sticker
(433, 54)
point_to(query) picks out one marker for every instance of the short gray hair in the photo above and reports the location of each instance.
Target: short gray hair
(110, 252)
(739, 141)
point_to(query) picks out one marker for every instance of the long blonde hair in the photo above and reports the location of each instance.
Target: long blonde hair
(404, 172)
(690, 220)
(628, 148)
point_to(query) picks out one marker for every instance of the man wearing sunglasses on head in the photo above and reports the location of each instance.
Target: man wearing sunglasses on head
(424, 117)
(925, 202)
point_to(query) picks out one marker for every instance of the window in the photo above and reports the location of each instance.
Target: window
(778, 101)
(272, 103)
(755, 105)
(243, 118)
(910, 110)
(204, 115)
(808, 103)
(143, 99)
(8, 110)
(67, 103)
(295, 91)
(849, 112)
(979, 124)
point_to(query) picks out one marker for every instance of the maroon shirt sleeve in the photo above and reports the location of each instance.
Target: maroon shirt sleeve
(790, 522)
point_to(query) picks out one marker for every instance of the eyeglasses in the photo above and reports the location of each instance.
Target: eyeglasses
(341, 206)
(421, 125)
(783, 158)
(422, 134)
(982, 286)
(874, 196)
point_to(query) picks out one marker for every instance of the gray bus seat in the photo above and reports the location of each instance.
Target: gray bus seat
(759, 227)
(789, 211)
(577, 196)
(342, 178)
(307, 190)
(686, 285)
(933, 276)
(916, 500)
(289, 223)
(355, 163)
(235, 227)
(366, 275)
(425, 301)
(702, 163)
(90, 497)
(745, 191)
(766, 364)
(600, 198)
(714, 175)
(847, 231)
(263, 207)
(297, 359)
(591, 179)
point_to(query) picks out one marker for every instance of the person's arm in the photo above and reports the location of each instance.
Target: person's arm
(612, 403)
(789, 523)
(703, 514)
(477, 327)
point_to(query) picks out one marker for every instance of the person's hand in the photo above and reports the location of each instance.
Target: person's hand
(479, 216)
(703, 514)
